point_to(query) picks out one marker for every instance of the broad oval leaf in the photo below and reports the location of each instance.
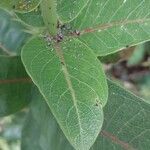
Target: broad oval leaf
(20, 5)
(15, 86)
(68, 10)
(73, 83)
(113, 25)
(126, 127)
(12, 36)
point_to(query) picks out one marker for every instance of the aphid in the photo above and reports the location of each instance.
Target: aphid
(77, 32)
(59, 37)
(48, 39)
(58, 25)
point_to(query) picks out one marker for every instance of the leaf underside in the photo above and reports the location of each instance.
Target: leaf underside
(72, 81)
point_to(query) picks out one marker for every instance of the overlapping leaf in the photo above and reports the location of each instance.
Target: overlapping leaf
(126, 127)
(20, 5)
(41, 128)
(72, 81)
(33, 18)
(12, 36)
(14, 87)
(107, 26)
(68, 10)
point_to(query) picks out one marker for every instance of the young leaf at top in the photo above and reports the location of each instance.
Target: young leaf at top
(126, 126)
(12, 36)
(107, 26)
(15, 86)
(72, 81)
(22, 6)
(33, 18)
(68, 10)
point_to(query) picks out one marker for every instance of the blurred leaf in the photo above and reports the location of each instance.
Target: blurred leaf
(147, 47)
(12, 36)
(127, 124)
(112, 58)
(144, 86)
(15, 86)
(3, 145)
(10, 130)
(137, 56)
(20, 5)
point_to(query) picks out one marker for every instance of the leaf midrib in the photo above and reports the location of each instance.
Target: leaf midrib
(105, 26)
(69, 83)
(116, 140)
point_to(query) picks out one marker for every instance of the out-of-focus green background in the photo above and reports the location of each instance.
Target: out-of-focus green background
(10, 131)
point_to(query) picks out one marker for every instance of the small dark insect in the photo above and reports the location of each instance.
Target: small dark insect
(59, 37)
(96, 104)
(62, 63)
(77, 32)
(58, 25)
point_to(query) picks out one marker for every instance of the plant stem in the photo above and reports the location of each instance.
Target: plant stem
(48, 8)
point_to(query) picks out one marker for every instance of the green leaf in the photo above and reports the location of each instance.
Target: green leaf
(127, 121)
(33, 18)
(108, 26)
(73, 83)
(68, 10)
(12, 36)
(20, 5)
(41, 131)
(127, 124)
(15, 86)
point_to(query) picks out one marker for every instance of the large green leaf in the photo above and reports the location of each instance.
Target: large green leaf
(12, 36)
(108, 26)
(68, 10)
(127, 122)
(126, 127)
(20, 5)
(14, 87)
(73, 83)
